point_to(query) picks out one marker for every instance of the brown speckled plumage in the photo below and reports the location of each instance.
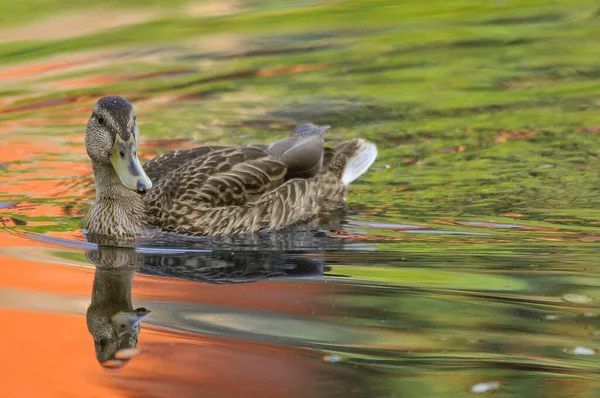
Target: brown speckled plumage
(217, 190)
(222, 191)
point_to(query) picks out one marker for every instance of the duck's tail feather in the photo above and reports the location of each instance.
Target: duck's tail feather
(358, 164)
(359, 155)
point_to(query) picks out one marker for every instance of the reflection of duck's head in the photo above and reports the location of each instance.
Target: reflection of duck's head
(116, 336)
(111, 319)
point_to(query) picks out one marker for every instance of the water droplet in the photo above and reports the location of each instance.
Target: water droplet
(577, 298)
(551, 317)
(485, 387)
(584, 351)
(127, 353)
(333, 358)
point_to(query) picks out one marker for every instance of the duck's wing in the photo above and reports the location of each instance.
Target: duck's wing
(230, 177)
(240, 189)
(301, 152)
(162, 165)
(219, 178)
(229, 191)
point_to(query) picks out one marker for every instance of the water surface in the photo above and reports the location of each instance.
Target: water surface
(467, 254)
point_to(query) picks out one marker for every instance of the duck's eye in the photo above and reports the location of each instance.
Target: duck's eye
(100, 120)
(122, 154)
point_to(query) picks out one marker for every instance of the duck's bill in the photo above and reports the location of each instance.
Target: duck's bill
(127, 166)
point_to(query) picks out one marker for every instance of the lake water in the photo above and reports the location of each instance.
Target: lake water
(466, 262)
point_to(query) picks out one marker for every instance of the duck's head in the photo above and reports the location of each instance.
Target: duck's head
(112, 138)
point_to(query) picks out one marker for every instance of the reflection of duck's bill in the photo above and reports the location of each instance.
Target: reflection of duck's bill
(143, 313)
(127, 321)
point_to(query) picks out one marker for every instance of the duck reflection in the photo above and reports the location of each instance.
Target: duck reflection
(111, 318)
(113, 321)
(226, 266)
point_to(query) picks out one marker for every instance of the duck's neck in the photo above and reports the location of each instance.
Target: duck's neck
(112, 290)
(118, 211)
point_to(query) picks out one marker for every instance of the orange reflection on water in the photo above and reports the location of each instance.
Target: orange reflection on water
(87, 81)
(186, 365)
(30, 149)
(40, 68)
(58, 349)
(52, 355)
(40, 169)
(49, 355)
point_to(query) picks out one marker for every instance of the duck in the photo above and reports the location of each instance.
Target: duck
(213, 190)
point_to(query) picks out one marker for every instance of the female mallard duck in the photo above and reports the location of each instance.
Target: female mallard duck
(213, 190)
